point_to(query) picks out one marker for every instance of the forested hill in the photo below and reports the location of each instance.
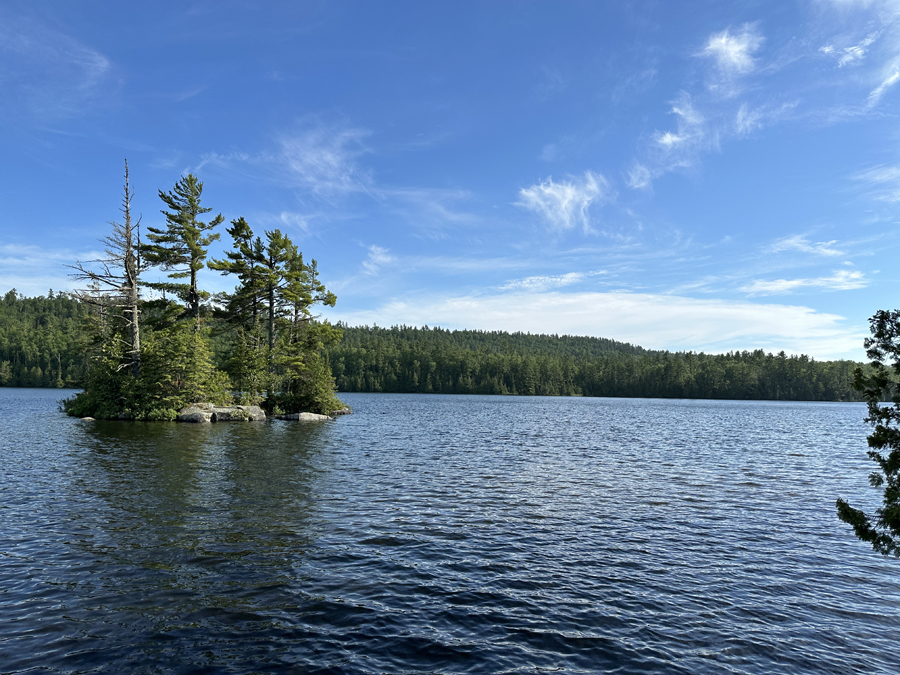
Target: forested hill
(43, 344)
(41, 341)
(494, 342)
(432, 360)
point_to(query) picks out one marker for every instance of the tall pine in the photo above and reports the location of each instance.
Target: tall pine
(181, 248)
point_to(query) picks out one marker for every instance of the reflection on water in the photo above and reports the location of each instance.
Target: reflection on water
(443, 534)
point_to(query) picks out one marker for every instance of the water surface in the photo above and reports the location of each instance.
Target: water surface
(447, 534)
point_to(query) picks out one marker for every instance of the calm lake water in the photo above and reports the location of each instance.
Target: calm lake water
(446, 534)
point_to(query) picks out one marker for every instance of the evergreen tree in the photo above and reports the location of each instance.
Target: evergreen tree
(275, 285)
(181, 248)
(883, 348)
(244, 260)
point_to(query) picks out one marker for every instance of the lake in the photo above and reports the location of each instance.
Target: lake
(445, 534)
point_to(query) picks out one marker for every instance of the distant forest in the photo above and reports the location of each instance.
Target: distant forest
(43, 344)
(404, 359)
(42, 341)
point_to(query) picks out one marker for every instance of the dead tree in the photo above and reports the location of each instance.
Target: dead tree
(115, 280)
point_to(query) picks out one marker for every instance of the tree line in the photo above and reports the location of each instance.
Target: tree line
(41, 340)
(433, 360)
(148, 344)
(52, 341)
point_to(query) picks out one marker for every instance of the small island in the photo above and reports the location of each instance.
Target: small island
(152, 342)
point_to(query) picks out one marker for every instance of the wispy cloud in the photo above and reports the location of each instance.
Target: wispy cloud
(892, 77)
(799, 242)
(32, 270)
(679, 323)
(48, 74)
(732, 53)
(675, 149)
(853, 54)
(551, 84)
(639, 176)
(566, 205)
(883, 182)
(749, 119)
(322, 158)
(292, 220)
(840, 280)
(378, 258)
(543, 283)
(432, 211)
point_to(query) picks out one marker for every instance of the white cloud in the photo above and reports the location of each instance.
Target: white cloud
(432, 211)
(798, 242)
(690, 133)
(749, 119)
(542, 283)
(566, 205)
(669, 140)
(840, 280)
(378, 258)
(733, 53)
(550, 152)
(677, 149)
(33, 270)
(855, 53)
(652, 321)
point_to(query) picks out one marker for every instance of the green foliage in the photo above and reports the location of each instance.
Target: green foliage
(107, 389)
(274, 297)
(181, 248)
(881, 384)
(42, 342)
(169, 365)
(247, 365)
(309, 388)
(177, 370)
(432, 360)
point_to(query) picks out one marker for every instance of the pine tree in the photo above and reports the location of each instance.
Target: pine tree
(275, 285)
(181, 248)
(881, 385)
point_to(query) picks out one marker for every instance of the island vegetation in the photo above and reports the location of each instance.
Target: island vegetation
(149, 344)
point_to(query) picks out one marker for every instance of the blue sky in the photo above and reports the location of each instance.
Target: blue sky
(688, 176)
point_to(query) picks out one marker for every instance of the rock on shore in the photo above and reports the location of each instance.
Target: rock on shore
(207, 412)
(303, 417)
(202, 413)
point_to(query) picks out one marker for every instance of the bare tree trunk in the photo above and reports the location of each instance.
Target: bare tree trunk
(132, 265)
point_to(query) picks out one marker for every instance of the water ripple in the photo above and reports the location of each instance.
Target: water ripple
(451, 535)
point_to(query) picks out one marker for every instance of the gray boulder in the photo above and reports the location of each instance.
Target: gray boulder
(207, 412)
(303, 417)
(239, 413)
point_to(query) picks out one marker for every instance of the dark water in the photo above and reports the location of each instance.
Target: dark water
(443, 534)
